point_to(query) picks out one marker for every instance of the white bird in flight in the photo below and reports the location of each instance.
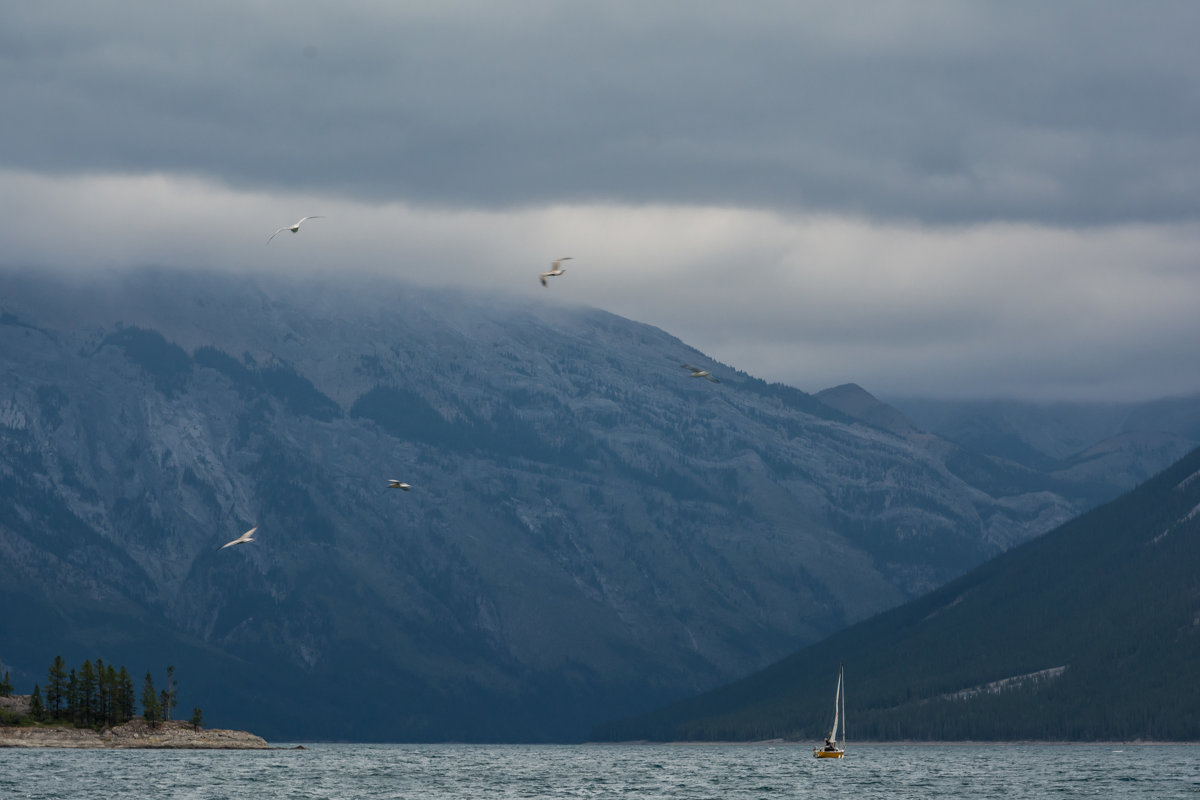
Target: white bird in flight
(398, 485)
(248, 536)
(556, 271)
(293, 228)
(700, 373)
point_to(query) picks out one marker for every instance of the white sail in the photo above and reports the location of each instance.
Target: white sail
(835, 745)
(837, 704)
(837, 707)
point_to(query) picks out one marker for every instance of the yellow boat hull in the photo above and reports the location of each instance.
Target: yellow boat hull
(828, 753)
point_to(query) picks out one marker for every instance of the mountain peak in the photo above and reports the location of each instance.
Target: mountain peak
(857, 403)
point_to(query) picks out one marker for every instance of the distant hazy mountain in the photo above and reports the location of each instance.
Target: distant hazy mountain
(591, 532)
(1089, 632)
(1111, 444)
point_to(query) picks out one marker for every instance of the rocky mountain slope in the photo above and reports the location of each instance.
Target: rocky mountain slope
(590, 531)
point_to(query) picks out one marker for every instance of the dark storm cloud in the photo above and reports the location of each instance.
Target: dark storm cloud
(1061, 113)
(939, 198)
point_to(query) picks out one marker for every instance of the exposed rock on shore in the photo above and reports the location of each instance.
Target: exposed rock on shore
(133, 734)
(16, 704)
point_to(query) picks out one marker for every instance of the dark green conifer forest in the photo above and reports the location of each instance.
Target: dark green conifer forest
(96, 695)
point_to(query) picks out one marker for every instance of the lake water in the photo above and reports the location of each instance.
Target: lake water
(691, 772)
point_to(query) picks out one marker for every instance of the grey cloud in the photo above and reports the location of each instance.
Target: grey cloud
(1064, 113)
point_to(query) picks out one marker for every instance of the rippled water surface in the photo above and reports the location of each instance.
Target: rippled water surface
(729, 772)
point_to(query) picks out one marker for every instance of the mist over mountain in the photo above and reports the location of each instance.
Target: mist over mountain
(591, 532)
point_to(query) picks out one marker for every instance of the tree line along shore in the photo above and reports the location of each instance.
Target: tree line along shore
(97, 695)
(96, 705)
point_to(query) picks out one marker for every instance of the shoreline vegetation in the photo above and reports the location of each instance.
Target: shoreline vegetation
(23, 731)
(96, 707)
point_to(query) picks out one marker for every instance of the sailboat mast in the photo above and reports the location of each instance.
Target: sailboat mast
(842, 684)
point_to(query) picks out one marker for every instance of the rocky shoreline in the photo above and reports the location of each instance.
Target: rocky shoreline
(131, 735)
(136, 733)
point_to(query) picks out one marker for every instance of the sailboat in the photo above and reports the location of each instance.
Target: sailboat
(831, 748)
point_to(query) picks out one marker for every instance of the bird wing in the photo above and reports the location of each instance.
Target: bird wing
(276, 233)
(314, 216)
(543, 277)
(245, 537)
(711, 378)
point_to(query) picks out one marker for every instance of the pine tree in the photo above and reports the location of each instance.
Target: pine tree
(102, 697)
(111, 686)
(168, 699)
(72, 710)
(87, 693)
(126, 696)
(6, 687)
(56, 687)
(36, 709)
(150, 707)
(197, 719)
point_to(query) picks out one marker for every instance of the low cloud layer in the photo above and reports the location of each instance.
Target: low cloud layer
(813, 301)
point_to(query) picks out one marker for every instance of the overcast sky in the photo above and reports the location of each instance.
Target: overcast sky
(950, 199)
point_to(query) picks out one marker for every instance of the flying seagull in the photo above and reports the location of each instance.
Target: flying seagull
(248, 536)
(556, 271)
(700, 373)
(293, 228)
(398, 485)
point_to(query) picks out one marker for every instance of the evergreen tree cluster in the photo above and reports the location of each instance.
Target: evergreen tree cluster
(98, 695)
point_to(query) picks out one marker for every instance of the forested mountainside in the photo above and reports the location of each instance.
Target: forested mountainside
(1091, 632)
(591, 532)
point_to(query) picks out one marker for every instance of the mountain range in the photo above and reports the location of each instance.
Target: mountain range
(590, 533)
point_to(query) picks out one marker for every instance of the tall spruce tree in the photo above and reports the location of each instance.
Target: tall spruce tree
(6, 687)
(87, 693)
(56, 687)
(72, 710)
(151, 711)
(126, 695)
(197, 718)
(112, 712)
(167, 697)
(100, 715)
